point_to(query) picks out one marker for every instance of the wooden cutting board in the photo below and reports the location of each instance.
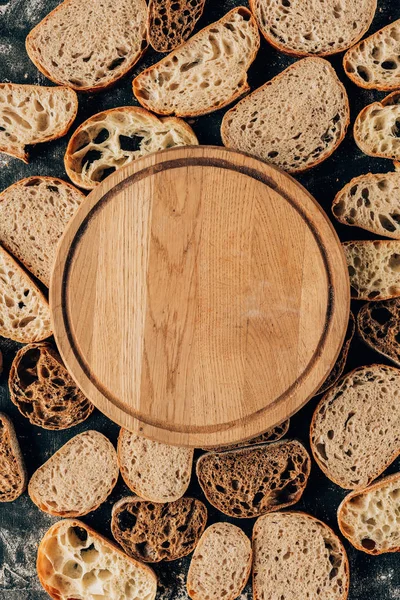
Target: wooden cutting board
(199, 296)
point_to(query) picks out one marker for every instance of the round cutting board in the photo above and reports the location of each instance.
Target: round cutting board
(200, 296)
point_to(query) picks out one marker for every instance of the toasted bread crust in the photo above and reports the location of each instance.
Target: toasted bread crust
(389, 334)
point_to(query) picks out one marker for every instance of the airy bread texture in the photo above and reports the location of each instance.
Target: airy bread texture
(379, 327)
(116, 137)
(32, 114)
(13, 477)
(294, 121)
(72, 47)
(76, 562)
(154, 471)
(271, 435)
(340, 363)
(204, 74)
(298, 556)
(24, 311)
(377, 128)
(77, 478)
(33, 215)
(305, 27)
(355, 429)
(221, 564)
(172, 21)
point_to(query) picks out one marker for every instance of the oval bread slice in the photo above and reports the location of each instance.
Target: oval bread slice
(13, 477)
(171, 22)
(377, 128)
(379, 327)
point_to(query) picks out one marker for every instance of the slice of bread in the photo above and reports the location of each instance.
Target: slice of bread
(87, 46)
(355, 429)
(43, 390)
(379, 327)
(296, 557)
(374, 62)
(294, 121)
(271, 435)
(374, 269)
(305, 27)
(13, 477)
(77, 478)
(24, 311)
(377, 128)
(340, 363)
(152, 532)
(41, 207)
(221, 564)
(250, 482)
(370, 518)
(32, 114)
(115, 137)
(76, 562)
(154, 471)
(204, 74)
(172, 21)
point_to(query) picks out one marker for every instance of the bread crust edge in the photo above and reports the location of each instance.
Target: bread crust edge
(16, 450)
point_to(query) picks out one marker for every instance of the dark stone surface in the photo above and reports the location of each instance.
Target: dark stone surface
(21, 523)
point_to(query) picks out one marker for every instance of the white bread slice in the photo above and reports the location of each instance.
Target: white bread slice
(88, 46)
(152, 470)
(296, 557)
(74, 561)
(24, 311)
(355, 429)
(116, 137)
(32, 114)
(205, 73)
(33, 215)
(13, 476)
(306, 27)
(77, 478)
(377, 128)
(294, 121)
(221, 564)
(171, 22)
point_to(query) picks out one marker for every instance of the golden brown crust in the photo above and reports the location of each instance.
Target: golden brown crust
(6, 422)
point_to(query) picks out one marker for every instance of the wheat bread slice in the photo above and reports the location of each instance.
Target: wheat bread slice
(298, 556)
(116, 137)
(271, 435)
(340, 363)
(33, 114)
(379, 327)
(77, 478)
(377, 128)
(154, 532)
(171, 22)
(13, 477)
(74, 561)
(221, 564)
(204, 74)
(295, 120)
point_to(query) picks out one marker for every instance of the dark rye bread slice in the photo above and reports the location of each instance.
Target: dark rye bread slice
(271, 435)
(172, 21)
(13, 476)
(250, 482)
(153, 532)
(340, 363)
(379, 327)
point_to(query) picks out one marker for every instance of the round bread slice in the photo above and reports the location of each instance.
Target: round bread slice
(377, 128)
(13, 476)
(379, 327)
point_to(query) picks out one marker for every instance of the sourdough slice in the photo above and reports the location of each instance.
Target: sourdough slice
(379, 327)
(88, 46)
(249, 482)
(12, 468)
(298, 556)
(172, 21)
(116, 137)
(77, 478)
(271, 435)
(43, 390)
(221, 564)
(153, 532)
(33, 215)
(377, 128)
(76, 562)
(24, 311)
(32, 114)
(340, 363)
(305, 27)
(370, 518)
(294, 121)
(355, 429)
(374, 269)
(154, 471)
(205, 73)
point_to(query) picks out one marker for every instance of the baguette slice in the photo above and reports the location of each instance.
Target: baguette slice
(377, 128)
(374, 269)
(221, 564)
(172, 21)
(204, 74)
(153, 532)
(88, 46)
(32, 114)
(294, 121)
(355, 429)
(250, 482)
(41, 206)
(271, 435)
(24, 311)
(76, 562)
(13, 477)
(340, 363)
(370, 518)
(116, 137)
(379, 327)
(298, 556)
(77, 478)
